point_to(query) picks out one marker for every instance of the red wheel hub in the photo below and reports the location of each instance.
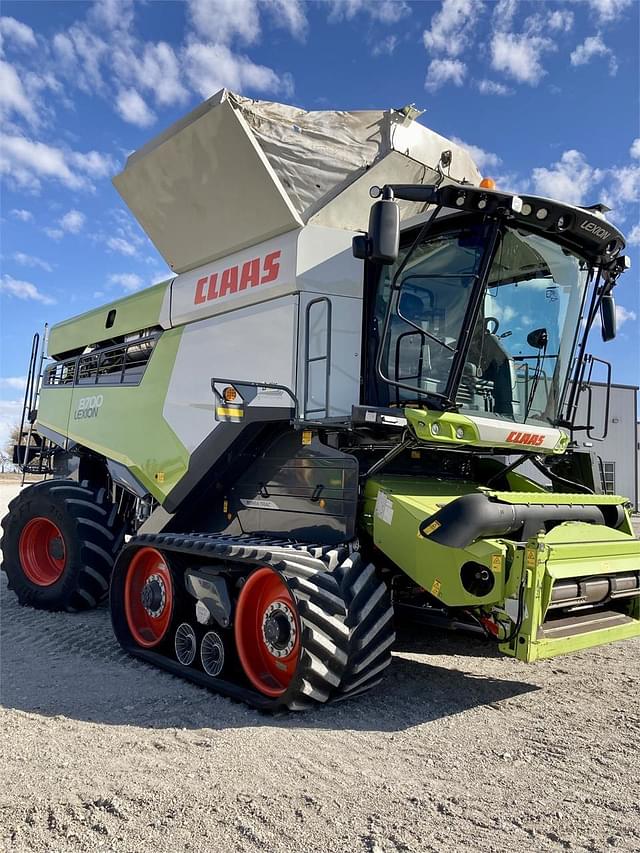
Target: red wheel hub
(148, 597)
(267, 632)
(42, 551)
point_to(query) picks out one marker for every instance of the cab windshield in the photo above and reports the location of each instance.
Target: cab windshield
(522, 341)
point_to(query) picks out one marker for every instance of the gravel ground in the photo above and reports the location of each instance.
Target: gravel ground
(458, 750)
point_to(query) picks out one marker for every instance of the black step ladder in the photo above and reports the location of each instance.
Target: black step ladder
(33, 453)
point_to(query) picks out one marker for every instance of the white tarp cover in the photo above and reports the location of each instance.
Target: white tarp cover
(316, 155)
(235, 172)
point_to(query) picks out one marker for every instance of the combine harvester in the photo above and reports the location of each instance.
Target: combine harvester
(311, 432)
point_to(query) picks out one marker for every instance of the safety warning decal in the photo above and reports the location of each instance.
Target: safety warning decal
(384, 507)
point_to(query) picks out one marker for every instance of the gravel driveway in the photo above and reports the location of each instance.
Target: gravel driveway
(458, 750)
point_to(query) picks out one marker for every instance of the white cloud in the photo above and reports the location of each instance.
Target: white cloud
(16, 382)
(119, 244)
(623, 315)
(607, 11)
(211, 67)
(220, 21)
(385, 46)
(113, 15)
(14, 99)
(80, 53)
(31, 261)
(384, 11)
(443, 71)
(73, 221)
(93, 163)
(452, 26)
(634, 151)
(519, 56)
(132, 108)
(17, 33)
(101, 55)
(22, 214)
(503, 14)
(593, 46)
(490, 87)
(625, 188)
(23, 290)
(569, 179)
(633, 238)
(483, 159)
(291, 14)
(26, 162)
(560, 20)
(128, 280)
(156, 70)
(54, 233)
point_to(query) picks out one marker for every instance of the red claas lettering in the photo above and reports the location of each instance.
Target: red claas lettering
(250, 275)
(532, 438)
(212, 293)
(233, 279)
(200, 294)
(229, 282)
(270, 267)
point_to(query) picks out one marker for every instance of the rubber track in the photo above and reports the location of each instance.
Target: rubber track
(99, 536)
(344, 609)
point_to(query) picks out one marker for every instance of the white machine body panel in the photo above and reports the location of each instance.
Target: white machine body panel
(204, 188)
(329, 355)
(497, 432)
(254, 275)
(257, 343)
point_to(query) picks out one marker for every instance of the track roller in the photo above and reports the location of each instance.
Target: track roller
(185, 644)
(212, 654)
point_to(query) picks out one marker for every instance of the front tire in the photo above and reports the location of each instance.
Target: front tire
(60, 539)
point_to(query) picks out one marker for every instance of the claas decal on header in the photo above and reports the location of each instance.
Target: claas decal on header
(334, 418)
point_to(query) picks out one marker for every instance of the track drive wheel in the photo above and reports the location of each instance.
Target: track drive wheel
(267, 632)
(304, 638)
(148, 597)
(60, 539)
(290, 635)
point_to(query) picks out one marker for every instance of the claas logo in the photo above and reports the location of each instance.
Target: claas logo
(235, 279)
(533, 438)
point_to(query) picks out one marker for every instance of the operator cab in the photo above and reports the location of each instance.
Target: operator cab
(481, 309)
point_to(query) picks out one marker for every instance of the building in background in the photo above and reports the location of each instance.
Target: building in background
(619, 449)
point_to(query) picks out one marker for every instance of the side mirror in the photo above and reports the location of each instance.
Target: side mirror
(608, 317)
(538, 338)
(382, 242)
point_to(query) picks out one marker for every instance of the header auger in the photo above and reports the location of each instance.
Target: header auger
(314, 432)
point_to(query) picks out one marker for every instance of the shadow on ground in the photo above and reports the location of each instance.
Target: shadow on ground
(70, 665)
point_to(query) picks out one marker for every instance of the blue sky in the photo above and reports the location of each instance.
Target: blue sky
(545, 93)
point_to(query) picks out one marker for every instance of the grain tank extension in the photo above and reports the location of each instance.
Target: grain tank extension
(336, 417)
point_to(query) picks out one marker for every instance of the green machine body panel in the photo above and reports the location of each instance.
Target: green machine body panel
(394, 507)
(126, 423)
(139, 311)
(568, 565)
